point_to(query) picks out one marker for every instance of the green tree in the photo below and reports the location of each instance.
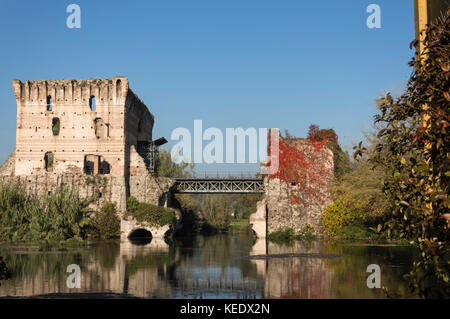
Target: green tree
(413, 149)
(106, 223)
(341, 159)
(217, 211)
(245, 204)
(167, 168)
(361, 187)
(359, 201)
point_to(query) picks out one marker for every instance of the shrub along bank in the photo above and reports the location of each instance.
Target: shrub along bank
(56, 217)
(148, 214)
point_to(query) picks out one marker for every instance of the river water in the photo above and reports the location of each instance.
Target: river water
(219, 266)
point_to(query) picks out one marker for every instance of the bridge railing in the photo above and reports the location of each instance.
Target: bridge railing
(224, 174)
(219, 185)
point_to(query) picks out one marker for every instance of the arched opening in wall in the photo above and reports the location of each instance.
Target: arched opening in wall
(92, 103)
(49, 160)
(118, 89)
(99, 127)
(89, 164)
(49, 103)
(104, 167)
(140, 237)
(56, 126)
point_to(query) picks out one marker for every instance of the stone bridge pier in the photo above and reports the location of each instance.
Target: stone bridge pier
(258, 220)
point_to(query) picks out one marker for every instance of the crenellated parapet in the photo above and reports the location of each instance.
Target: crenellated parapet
(70, 92)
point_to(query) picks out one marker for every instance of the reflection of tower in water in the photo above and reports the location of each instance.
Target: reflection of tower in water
(139, 270)
(292, 276)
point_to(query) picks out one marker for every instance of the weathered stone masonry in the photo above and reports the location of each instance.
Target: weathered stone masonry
(296, 205)
(91, 134)
(91, 116)
(95, 135)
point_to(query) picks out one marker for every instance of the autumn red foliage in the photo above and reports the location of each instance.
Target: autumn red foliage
(303, 163)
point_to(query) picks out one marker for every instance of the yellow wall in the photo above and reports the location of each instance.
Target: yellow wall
(427, 11)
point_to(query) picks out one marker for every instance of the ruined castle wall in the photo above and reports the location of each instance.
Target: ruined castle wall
(138, 131)
(145, 187)
(149, 189)
(138, 120)
(70, 103)
(7, 168)
(100, 188)
(300, 205)
(92, 135)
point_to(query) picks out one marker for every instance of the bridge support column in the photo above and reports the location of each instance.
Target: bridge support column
(258, 220)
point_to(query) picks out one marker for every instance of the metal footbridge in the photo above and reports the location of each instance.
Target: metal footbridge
(219, 185)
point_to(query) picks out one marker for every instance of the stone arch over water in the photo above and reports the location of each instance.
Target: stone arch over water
(140, 233)
(131, 229)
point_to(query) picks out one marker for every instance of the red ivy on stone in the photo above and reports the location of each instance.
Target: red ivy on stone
(303, 165)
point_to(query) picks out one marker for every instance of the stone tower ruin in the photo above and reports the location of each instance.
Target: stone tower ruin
(88, 124)
(93, 135)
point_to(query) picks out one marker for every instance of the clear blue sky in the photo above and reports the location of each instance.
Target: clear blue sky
(234, 63)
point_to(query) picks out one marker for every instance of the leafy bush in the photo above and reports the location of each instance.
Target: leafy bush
(132, 204)
(282, 236)
(307, 233)
(414, 150)
(148, 214)
(57, 216)
(64, 215)
(355, 232)
(288, 235)
(336, 216)
(106, 223)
